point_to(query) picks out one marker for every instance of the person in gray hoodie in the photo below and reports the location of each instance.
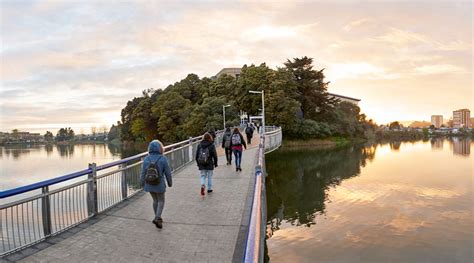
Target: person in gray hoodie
(157, 192)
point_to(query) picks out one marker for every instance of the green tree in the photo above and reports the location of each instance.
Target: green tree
(172, 109)
(48, 136)
(394, 125)
(311, 88)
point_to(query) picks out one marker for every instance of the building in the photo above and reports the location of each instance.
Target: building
(437, 120)
(344, 98)
(235, 72)
(462, 118)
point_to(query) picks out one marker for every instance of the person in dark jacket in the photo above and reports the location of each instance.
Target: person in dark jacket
(226, 141)
(206, 159)
(249, 133)
(212, 132)
(236, 143)
(157, 192)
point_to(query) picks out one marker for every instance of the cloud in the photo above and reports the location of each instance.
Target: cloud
(357, 23)
(440, 69)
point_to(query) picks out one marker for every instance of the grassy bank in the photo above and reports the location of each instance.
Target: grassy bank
(319, 143)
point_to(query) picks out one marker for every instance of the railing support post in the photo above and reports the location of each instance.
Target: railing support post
(92, 207)
(46, 211)
(123, 167)
(190, 149)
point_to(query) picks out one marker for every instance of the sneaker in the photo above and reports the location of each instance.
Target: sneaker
(158, 222)
(209, 191)
(240, 169)
(236, 169)
(202, 190)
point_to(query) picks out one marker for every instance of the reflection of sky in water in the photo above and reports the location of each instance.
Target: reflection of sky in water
(26, 165)
(410, 204)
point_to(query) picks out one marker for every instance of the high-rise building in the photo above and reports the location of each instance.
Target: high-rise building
(437, 120)
(462, 118)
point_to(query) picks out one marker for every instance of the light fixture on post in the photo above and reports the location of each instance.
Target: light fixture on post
(223, 112)
(263, 107)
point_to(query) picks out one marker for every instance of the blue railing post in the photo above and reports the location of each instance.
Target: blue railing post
(92, 207)
(46, 211)
(123, 167)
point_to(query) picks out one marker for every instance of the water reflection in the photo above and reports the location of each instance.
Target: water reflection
(461, 147)
(296, 189)
(395, 202)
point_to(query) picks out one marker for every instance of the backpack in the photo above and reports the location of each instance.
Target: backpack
(203, 156)
(236, 139)
(227, 140)
(152, 176)
(249, 130)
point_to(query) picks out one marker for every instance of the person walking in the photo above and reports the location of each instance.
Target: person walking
(206, 159)
(155, 170)
(226, 141)
(236, 143)
(212, 132)
(249, 133)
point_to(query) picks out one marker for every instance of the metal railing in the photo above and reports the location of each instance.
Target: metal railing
(28, 216)
(254, 247)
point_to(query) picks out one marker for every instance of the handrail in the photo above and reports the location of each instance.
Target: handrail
(254, 245)
(39, 185)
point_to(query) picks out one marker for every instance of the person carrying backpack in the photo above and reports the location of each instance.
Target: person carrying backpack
(155, 170)
(212, 132)
(237, 141)
(206, 159)
(226, 141)
(249, 133)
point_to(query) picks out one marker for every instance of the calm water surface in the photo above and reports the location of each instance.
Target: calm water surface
(395, 202)
(23, 165)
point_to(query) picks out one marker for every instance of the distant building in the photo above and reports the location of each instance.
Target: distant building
(462, 118)
(437, 120)
(235, 72)
(344, 98)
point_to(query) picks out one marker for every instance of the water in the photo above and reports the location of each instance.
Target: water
(394, 202)
(27, 164)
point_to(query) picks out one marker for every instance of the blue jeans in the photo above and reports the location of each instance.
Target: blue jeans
(208, 174)
(238, 157)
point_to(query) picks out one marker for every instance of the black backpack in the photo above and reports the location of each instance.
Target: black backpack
(227, 140)
(249, 130)
(152, 176)
(203, 156)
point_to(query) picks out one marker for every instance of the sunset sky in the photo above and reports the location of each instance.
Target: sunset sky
(77, 63)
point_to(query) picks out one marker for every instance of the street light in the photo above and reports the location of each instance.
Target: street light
(223, 112)
(263, 106)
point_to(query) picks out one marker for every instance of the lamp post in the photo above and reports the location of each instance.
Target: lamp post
(223, 112)
(263, 106)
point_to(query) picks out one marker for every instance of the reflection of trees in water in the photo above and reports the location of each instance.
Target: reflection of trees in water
(437, 143)
(49, 149)
(298, 179)
(65, 150)
(18, 150)
(395, 145)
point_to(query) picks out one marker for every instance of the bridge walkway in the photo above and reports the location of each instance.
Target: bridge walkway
(195, 229)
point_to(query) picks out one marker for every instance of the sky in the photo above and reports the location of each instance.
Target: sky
(77, 63)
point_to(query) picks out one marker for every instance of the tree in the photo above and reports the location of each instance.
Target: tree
(65, 134)
(311, 88)
(394, 125)
(48, 136)
(94, 131)
(15, 134)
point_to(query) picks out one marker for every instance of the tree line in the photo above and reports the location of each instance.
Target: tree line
(296, 99)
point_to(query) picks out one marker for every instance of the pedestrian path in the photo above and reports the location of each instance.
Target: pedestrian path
(195, 229)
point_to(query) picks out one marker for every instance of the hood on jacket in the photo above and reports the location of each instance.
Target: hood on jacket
(206, 143)
(154, 147)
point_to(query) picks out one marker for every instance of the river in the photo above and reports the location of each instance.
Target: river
(26, 164)
(393, 202)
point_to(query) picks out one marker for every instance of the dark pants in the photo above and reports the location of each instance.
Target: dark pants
(238, 157)
(158, 203)
(249, 138)
(228, 155)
